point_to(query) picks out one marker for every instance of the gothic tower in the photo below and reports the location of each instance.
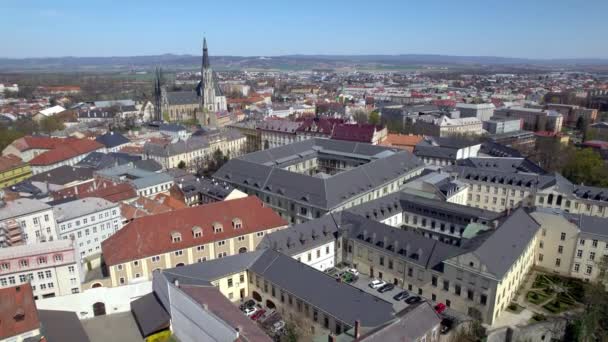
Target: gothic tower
(158, 83)
(212, 100)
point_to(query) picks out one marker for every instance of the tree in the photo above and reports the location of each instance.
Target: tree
(360, 116)
(181, 165)
(587, 167)
(51, 124)
(374, 118)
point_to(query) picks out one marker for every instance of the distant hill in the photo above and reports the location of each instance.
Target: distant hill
(288, 62)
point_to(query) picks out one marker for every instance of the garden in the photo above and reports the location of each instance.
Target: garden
(556, 294)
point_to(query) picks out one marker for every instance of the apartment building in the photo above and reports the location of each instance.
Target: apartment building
(186, 236)
(533, 119)
(312, 243)
(35, 219)
(69, 152)
(196, 149)
(445, 126)
(310, 178)
(88, 222)
(146, 183)
(572, 113)
(13, 170)
(51, 268)
(445, 151)
(481, 111)
(275, 133)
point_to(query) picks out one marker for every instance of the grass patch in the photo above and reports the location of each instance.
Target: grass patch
(536, 297)
(538, 318)
(514, 307)
(556, 306)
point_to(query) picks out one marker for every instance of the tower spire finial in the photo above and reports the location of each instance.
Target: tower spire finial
(205, 54)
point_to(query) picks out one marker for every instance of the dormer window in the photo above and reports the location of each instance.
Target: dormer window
(23, 263)
(5, 266)
(41, 260)
(217, 227)
(237, 223)
(197, 232)
(176, 237)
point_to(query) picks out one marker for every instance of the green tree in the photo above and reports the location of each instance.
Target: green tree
(587, 167)
(7, 136)
(51, 124)
(181, 165)
(374, 118)
(360, 116)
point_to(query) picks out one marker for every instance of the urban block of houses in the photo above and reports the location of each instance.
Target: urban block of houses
(13, 170)
(187, 236)
(145, 183)
(310, 178)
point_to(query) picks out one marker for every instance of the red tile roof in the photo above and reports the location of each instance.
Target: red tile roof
(320, 125)
(9, 162)
(142, 207)
(170, 201)
(151, 235)
(18, 312)
(40, 143)
(355, 132)
(69, 148)
(113, 192)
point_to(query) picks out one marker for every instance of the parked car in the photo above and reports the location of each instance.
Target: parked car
(446, 325)
(377, 283)
(401, 295)
(267, 315)
(258, 314)
(353, 271)
(248, 304)
(250, 310)
(413, 300)
(386, 288)
(439, 308)
(277, 326)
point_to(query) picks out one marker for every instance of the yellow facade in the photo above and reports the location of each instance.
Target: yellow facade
(15, 175)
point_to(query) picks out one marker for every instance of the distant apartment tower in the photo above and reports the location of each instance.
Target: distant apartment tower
(534, 119)
(502, 125)
(482, 111)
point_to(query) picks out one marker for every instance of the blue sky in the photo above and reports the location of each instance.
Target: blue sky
(509, 28)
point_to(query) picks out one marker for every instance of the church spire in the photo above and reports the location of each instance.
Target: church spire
(205, 54)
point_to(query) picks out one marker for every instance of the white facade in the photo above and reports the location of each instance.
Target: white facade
(52, 268)
(35, 218)
(272, 139)
(116, 299)
(321, 257)
(88, 222)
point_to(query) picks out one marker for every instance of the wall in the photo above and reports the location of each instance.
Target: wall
(116, 299)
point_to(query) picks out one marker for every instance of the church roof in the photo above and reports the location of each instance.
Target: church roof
(182, 97)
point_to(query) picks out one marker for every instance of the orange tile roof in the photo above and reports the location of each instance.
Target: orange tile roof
(151, 235)
(40, 143)
(17, 302)
(70, 148)
(103, 188)
(142, 207)
(9, 162)
(403, 141)
(170, 201)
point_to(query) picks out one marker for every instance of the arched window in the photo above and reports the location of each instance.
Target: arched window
(243, 250)
(99, 309)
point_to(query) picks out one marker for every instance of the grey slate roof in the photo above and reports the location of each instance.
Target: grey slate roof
(98, 160)
(410, 324)
(340, 300)
(61, 326)
(63, 175)
(85, 206)
(149, 314)
(262, 171)
(590, 225)
(182, 97)
(505, 245)
(404, 244)
(112, 139)
(492, 176)
(303, 236)
(503, 164)
(157, 178)
(190, 185)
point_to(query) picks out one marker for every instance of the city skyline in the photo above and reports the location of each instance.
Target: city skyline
(542, 30)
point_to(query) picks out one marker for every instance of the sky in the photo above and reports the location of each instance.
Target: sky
(507, 28)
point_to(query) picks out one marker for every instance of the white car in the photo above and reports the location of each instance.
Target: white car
(376, 284)
(250, 311)
(353, 271)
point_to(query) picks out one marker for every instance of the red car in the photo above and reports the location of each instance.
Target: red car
(258, 314)
(439, 308)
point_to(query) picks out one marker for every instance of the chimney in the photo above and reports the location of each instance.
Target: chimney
(176, 283)
(357, 329)
(364, 234)
(385, 241)
(373, 237)
(331, 338)
(396, 246)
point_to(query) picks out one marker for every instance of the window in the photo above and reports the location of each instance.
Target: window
(457, 289)
(156, 258)
(560, 249)
(221, 255)
(221, 243)
(563, 237)
(541, 245)
(137, 275)
(470, 294)
(22, 278)
(23, 263)
(136, 263)
(230, 282)
(5, 266)
(242, 278)
(119, 267)
(41, 260)
(594, 243)
(446, 285)
(582, 242)
(176, 237)
(592, 256)
(483, 299)
(179, 253)
(540, 257)
(434, 281)
(589, 269)
(558, 262)
(259, 234)
(577, 267)
(579, 253)
(121, 281)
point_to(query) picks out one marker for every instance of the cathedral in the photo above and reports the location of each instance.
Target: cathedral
(206, 103)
